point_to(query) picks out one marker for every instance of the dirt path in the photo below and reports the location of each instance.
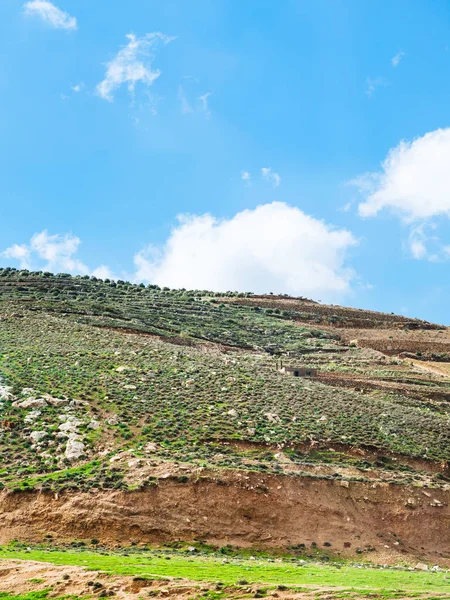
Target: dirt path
(23, 577)
(437, 369)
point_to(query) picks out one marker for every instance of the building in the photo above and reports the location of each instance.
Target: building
(298, 371)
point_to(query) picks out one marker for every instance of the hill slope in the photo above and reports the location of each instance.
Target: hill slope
(113, 386)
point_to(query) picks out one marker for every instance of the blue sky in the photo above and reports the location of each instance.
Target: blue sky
(292, 146)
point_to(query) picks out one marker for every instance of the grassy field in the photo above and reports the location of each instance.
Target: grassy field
(233, 570)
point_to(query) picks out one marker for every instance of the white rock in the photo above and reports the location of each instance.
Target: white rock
(70, 425)
(30, 403)
(421, 567)
(56, 401)
(37, 436)
(5, 393)
(28, 392)
(32, 416)
(232, 413)
(272, 417)
(94, 425)
(74, 450)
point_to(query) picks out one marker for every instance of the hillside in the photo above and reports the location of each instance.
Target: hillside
(125, 391)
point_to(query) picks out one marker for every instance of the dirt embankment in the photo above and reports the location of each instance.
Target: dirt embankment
(389, 522)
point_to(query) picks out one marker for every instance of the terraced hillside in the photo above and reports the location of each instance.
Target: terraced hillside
(115, 389)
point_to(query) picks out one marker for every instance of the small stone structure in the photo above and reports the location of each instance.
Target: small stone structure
(298, 371)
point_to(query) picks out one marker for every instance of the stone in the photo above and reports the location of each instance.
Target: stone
(94, 425)
(32, 416)
(5, 393)
(70, 425)
(37, 436)
(30, 403)
(74, 450)
(421, 567)
(272, 417)
(56, 401)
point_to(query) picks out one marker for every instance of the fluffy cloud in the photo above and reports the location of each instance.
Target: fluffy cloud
(271, 176)
(52, 253)
(414, 180)
(50, 13)
(274, 247)
(132, 64)
(18, 252)
(414, 184)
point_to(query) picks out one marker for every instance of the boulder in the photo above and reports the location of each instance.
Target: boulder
(30, 403)
(37, 436)
(74, 449)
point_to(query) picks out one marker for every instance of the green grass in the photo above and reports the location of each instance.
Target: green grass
(232, 570)
(42, 595)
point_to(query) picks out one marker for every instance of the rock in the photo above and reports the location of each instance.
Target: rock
(113, 420)
(74, 450)
(421, 567)
(70, 425)
(56, 401)
(32, 416)
(29, 392)
(130, 387)
(122, 368)
(151, 447)
(37, 436)
(30, 403)
(436, 502)
(5, 393)
(272, 417)
(232, 413)
(94, 425)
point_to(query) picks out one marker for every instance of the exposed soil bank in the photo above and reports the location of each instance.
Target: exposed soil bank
(388, 522)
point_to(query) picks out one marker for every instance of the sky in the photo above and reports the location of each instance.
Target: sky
(297, 146)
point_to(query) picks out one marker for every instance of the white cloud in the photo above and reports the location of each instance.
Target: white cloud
(414, 180)
(55, 253)
(132, 64)
(271, 176)
(395, 60)
(58, 251)
(274, 247)
(205, 104)
(414, 185)
(50, 13)
(18, 252)
(246, 176)
(103, 272)
(78, 87)
(373, 83)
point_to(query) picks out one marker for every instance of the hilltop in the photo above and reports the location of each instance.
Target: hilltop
(127, 392)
